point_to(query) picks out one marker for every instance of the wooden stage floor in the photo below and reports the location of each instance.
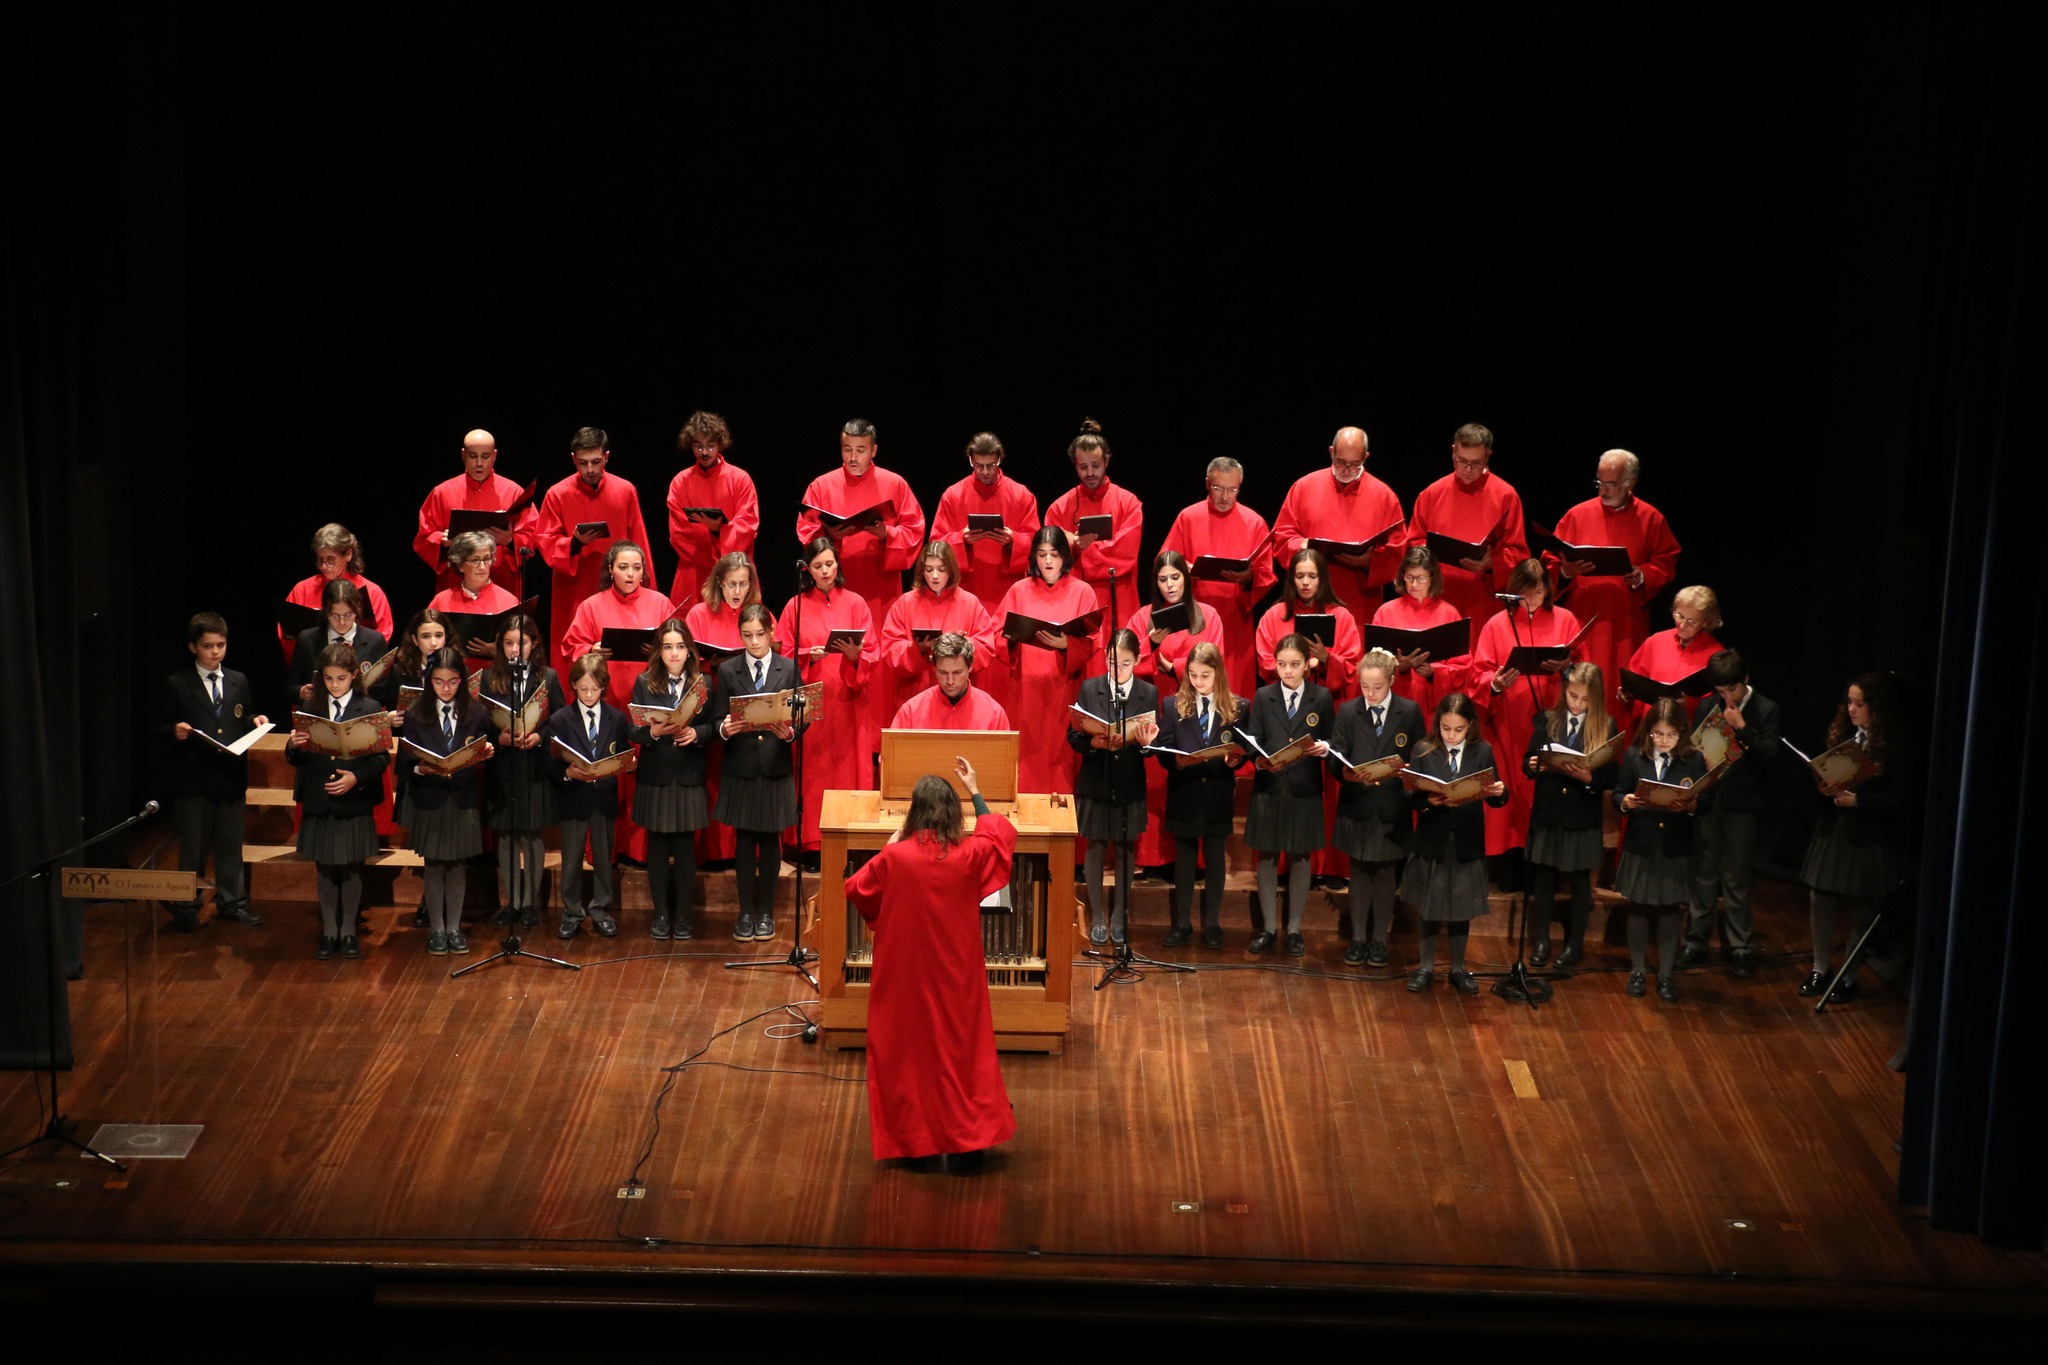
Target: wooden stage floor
(1251, 1133)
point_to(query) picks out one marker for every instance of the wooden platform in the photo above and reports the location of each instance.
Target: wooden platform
(1256, 1123)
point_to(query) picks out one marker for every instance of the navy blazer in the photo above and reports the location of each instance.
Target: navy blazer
(664, 762)
(369, 645)
(1111, 774)
(585, 800)
(1453, 833)
(757, 753)
(1563, 802)
(465, 788)
(198, 768)
(1646, 830)
(1268, 723)
(1206, 791)
(317, 768)
(1353, 737)
(1748, 784)
(1880, 815)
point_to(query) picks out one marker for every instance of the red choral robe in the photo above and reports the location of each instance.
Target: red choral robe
(306, 593)
(715, 842)
(932, 709)
(905, 669)
(933, 1082)
(579, 569)
(645, 609)
(1340, 674)
(835, 757)
(1162, 667)
(1198, 531)
(1662, 658)
(988, 569)
(1446, 675)
(729, 489)
(1119, 552)
(1318, 507)
(1506, 721)
(1044, 682)
(1623, 612)
(1469, 512)
(464, 494)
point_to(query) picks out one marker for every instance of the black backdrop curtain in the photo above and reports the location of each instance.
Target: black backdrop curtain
(1975, 1105)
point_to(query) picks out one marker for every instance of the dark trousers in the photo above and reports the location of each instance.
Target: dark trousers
(1727, 851)
(598, 830)
(213, 825)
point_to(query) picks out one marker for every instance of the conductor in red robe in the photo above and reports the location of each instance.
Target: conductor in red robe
(990, 561)
(934, 1088)
(1093, 495)
(478, 488)
(1345, 504)
(1225, 528)
(1469, 503)
(1616, 517)
(954, 702)
(589, 497)
(713, 510)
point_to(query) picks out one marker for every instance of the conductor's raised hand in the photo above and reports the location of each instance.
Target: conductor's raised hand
(965, 771)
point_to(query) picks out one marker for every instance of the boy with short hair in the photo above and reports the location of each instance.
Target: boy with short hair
(209, 786)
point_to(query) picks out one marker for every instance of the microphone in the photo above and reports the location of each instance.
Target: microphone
(151, 809)
(1513, 599)
(803, 567)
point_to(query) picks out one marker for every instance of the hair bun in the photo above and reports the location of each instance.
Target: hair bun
(1090, 427)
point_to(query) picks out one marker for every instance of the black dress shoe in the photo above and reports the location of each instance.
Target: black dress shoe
(1691, 955)
(1540, 955)
(1354, 955)
(529, 917)
(1422, 979)
(1262, 942)
(743, 927)
(964, 1163)
(1843, 994)
(1297, 946)
(1742, 962)
(1813, 985)
(1212, 938)
(1572, 956)
(324, 949)
(569, 928)
(241, 914)
(1376, 954)
(1463, 983)
(1638, 984)
(1177, 935)
(457, 941)
(1098, 934)
(683, 928)
(349, 947)
(1667, 989)
(661, 928)
(1328, 883)
(604, 924)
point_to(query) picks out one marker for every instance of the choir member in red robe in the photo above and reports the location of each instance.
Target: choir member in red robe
(714, 622)
(1046, 672)
(1345, 504)
(709, 481)
(1619, 608)
(991, 560)
(1421, 679)
(1308, 590)
(1162, 658)
(587, 497)
(1511, 702)
(1672, 655)
(934, 1088)
(473, 554)
(938, 604)
(478, 488)
(953, 702)
(1468, 503)
(337, 554)
(836, 757)
(622, 600)
(1093, 495)
(1221, 526)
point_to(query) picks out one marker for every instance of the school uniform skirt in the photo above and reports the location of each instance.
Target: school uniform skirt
(1280, 822)
(764, 805)
(1370, 840)
(519, 798)
(1567, 850)
(1445, 889)
(1097, 820)
(1836, 867)
(671, 808)
(448, 834)
(333, 842)
(1655, 878)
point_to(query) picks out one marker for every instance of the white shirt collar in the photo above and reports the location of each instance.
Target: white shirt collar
(205, 672)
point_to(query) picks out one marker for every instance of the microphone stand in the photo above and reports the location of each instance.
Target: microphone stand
(1518, 982)
(59, 1129)
(800, 957)
(523, 876)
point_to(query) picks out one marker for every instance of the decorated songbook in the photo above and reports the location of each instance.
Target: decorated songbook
(1456, 791)
(1842, 767)
(761, 710)
(472, 752)
(624, 761)
(351, 738)
(1139, 728)
(1373, 769)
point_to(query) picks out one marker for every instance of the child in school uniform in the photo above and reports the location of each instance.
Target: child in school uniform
(1657, 845)
(337, 796)
(346, 622)
(1853, 858)
(519, 797)
(587, 807)
(758, 794)
(1201, 796)
(1446, 875)
(1565, 812)
(1374, 820)
(444, 811)
(1727, 829)
(1286, 814)
(1109, 787)
(669, 800)
(209, 786)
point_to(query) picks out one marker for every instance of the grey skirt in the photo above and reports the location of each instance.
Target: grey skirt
(448, 834)
(1281, 823)
(1836, 867)
(764, 805)
(518, 798)
(1440, 889)
(1098, 819)
(333, 842)
(1655, 878)
(1370, 840)
(1567, 850)
(672, 808)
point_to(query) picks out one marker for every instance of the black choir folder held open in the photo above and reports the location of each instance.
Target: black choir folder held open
(1532, 658)
(1646, 690)
(1446, 641)
(1102, 526)
(464, 519)
(852, 521)
(465, 626)
(1331, 548)
(1024, 629)
(1608, 561)
(1450, 549)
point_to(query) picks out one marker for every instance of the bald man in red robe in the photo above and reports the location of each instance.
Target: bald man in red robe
(1469, 503)
(478, 488)
(588, 496)
(1616, 517)
(1222, 526)
(1344, 503)
(990, 561)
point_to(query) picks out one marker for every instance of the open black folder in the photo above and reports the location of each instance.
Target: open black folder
(1446, 641)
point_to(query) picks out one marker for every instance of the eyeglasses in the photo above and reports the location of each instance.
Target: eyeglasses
(1610, 483)
(1463, 463)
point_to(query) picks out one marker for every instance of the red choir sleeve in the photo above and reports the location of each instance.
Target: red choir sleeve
(692, 541)
(433, 530)
(903, 538)
(555, 535)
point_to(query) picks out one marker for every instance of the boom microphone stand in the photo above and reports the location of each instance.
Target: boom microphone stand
(1518, 982)
(523, 877)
